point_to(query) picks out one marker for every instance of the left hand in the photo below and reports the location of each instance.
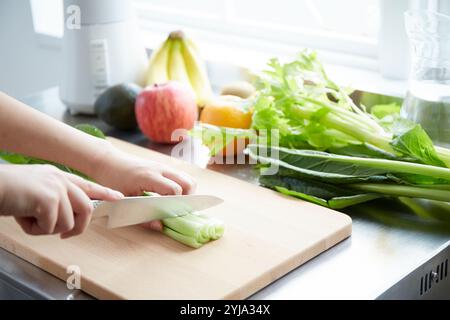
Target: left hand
(133, 175)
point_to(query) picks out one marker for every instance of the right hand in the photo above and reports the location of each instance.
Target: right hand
(46, 200)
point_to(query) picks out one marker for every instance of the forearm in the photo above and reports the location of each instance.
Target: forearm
(3, 188)
(30, 132)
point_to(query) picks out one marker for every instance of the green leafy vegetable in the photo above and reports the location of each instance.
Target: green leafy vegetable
(364, 151)
(387, 115)
(216, 138)
(14, 157)
(383, 110)
(324, 194)
(312, 109)
(337, 181)
(369, 155)
(90, 129)
(403, 191)
(342, 166)
(333, 152)
(312, 112)
(410, 139)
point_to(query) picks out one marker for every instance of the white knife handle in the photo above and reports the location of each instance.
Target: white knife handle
(98, 213)
(96, 203)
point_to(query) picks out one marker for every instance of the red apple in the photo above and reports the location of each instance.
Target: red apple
(163, 108)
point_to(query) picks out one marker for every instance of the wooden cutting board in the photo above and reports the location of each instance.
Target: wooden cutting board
(266, 236)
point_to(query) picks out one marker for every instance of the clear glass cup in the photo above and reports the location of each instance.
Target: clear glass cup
(428, 98)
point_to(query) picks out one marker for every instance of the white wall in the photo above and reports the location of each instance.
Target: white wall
(26, 64)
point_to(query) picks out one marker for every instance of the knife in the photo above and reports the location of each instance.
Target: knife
(135, 210)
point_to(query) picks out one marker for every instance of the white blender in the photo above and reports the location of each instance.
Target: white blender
(103, 50)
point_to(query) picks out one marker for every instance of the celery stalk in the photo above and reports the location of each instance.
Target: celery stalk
(192, 230)
(402, 191)
(189, 241)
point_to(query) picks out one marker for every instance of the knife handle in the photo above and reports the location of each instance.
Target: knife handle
(96, 203)
(98, 212)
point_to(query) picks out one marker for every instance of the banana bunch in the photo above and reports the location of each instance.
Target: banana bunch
(178, 59)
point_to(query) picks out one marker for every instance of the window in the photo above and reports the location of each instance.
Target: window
(348, 26)
(47, 17)
(345, 31)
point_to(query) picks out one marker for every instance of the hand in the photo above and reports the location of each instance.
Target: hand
(46, 200)
(133, 175)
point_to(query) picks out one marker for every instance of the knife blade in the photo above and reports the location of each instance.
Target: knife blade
(136, 210)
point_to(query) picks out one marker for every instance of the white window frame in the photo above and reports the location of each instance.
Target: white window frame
(250, 45)
(271, 32)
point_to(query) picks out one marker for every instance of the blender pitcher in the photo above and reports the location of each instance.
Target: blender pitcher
(428, 98)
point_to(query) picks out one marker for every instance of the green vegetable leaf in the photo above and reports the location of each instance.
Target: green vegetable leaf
(334, 177)
(309, 110)
(306, 164)
(416, 179)
(326, 195)
(321, 161)
(365, 175)
(364, 151)
(403, 191)
(14, 158)
(90, 129)
(216, 138)
(313, 112)
(382, 110)
(410, 139)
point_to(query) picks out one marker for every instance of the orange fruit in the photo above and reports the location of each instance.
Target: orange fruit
(228, 112)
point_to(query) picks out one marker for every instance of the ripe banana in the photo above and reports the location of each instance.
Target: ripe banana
(157, 67)
(197, 73)
(177, 67)
(178, 59)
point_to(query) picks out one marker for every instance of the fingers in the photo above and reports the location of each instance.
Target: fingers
(154, 225)
(80, 193)
(163, 186)
(66, 220)
(94, 190)
(170, 182)
(30, 226)
(26, 223)
(185, 181)
(46, 216)
(45, 220)
(82, 211)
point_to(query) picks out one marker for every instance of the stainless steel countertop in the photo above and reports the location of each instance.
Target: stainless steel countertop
(387, 243)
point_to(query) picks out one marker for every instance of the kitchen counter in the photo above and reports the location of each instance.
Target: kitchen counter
(391, 253)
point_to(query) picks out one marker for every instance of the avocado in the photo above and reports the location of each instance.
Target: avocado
(115, 106)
